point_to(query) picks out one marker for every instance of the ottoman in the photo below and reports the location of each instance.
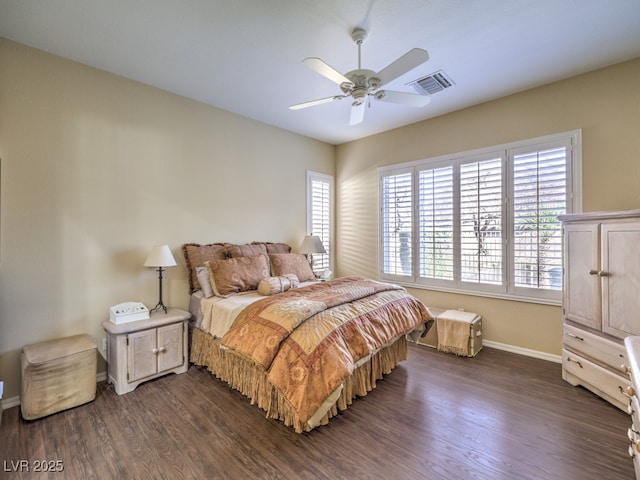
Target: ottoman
(57, 374)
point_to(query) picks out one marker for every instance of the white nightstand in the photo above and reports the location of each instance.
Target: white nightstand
(145, 349)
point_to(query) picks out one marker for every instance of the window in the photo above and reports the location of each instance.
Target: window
(320, 216)
(482, 222)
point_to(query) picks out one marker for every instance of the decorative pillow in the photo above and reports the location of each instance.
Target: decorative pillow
(195, 255)
(235, 275)
(272, 285)
(295, 263)
(204, 281)
(246, 250)
(278, 247)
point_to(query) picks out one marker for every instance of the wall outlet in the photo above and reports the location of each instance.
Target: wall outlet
(104, 344)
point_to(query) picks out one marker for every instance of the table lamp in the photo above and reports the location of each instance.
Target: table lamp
(311, 244)
(160, 257)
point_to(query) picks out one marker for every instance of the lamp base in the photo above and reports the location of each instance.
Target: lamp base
(159, 306)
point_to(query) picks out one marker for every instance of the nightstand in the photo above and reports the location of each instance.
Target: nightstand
(145, 349)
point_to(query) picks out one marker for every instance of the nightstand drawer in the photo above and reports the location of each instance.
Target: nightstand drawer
(597, 348)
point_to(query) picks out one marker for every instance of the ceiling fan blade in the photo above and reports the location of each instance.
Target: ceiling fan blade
(313, 103)
(357, 113)
(402, 65)
(404, 98)
(325, 70)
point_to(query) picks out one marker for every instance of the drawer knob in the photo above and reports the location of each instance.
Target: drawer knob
(631, 391)
(593, 272)
(624, 368)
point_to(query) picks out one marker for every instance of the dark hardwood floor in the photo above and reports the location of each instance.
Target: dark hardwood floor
(437, 416)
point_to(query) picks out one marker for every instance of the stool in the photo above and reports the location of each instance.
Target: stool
(57, 375)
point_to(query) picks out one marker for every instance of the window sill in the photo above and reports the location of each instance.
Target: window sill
(497, 296)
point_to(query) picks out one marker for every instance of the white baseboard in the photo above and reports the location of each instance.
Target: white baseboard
(523, 351)
(15, 401)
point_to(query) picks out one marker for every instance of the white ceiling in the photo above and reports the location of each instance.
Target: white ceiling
(245, 56)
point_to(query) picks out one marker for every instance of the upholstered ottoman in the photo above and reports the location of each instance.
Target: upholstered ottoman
(57, 374)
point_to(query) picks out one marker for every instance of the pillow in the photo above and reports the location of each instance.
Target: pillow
(272, 285)
(278, 247)
(195, 255)
(204, 281)
(235, 275)
(295, 263)
(246, 250)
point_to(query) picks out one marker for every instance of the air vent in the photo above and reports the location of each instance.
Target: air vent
(433, 83)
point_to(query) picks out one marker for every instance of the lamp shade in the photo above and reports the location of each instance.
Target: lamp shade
(160, 256)
(311, 244)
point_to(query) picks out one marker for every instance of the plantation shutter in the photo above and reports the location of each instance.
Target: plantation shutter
(397, 224)
(320, 218)
(436, 219)
(540, 195)
(481, 242)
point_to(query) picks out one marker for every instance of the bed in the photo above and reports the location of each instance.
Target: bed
(300, 349)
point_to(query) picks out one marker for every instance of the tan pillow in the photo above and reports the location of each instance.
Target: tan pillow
(273, 285)
(246, 250)
(195, 255)
(295, 263)
(235, 275)
(278, 247)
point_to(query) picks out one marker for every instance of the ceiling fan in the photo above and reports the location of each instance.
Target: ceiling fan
(362, 83)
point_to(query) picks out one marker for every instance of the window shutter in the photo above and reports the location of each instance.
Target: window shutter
(481, 221)
(435, 197)
(320, 221)
(540, 184)
(397, 224)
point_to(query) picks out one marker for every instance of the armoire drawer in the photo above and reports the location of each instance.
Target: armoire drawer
(598, 348)
(599, 380)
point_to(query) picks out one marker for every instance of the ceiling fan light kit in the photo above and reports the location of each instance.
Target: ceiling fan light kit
(361, 84)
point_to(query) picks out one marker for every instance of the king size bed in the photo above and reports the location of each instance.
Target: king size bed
(300, 349)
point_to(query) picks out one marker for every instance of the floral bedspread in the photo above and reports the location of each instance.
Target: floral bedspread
(311, 339)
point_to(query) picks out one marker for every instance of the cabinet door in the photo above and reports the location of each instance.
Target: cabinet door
(621, 279)
(170, 348)
(581, 289)
(141, 355)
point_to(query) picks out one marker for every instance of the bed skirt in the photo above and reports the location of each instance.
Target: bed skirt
(251, 380)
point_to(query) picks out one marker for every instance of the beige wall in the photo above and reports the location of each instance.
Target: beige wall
(605, 104)
(96, 169)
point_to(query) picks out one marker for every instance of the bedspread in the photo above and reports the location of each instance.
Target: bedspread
(311, 339)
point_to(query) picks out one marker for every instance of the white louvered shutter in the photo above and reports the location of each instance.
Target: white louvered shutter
(319, 222)
(436, 219)
(481, 243)
(397, 224)
(540, 195)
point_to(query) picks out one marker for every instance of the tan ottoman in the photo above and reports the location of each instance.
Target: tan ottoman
(57, 374)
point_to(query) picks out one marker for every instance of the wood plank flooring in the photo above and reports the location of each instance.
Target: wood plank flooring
(437, 416)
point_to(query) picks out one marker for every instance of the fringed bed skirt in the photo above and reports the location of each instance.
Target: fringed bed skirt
(251, 380)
